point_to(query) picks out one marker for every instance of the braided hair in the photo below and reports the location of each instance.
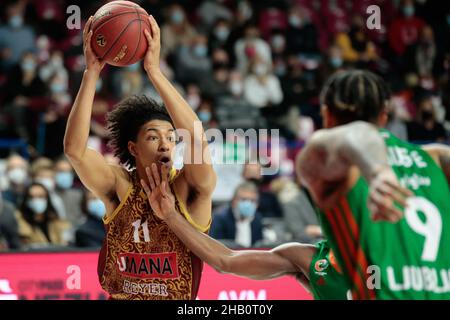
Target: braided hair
(355, 95)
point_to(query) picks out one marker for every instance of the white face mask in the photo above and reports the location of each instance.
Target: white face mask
(260, 69)
(236, 88)
(17, 176)
(48, 183)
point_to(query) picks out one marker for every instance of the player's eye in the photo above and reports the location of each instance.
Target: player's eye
(152, 138)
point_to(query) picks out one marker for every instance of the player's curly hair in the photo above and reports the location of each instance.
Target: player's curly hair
(355, 95)
(125, 121)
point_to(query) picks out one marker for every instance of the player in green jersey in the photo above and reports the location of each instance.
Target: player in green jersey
(384, 203)
(314, 266)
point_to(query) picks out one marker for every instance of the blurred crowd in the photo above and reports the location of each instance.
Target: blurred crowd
(239, 64)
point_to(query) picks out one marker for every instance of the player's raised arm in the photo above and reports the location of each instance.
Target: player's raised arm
(200, 176)
(327, 163)
(255, 264)
(90, 166)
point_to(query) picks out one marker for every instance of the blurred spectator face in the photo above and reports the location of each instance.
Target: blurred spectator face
(245, 11)
(260, 69)
(193, 96)
(335, 57)
(426, 110)
(17, 170)
(37, 201)
(204, 111)
(235, 83)
(58, 84)
(245, 203)
(296, 17)
(28, 63)
(220, 56)
(176, 15)
(222, 30)
(278, 43)
(252, 172)
(251, 33)
(200, 46)
(15, 15)
(63, 175)
(427, 36)
(94, 206)
(408, 8)
(46, 177)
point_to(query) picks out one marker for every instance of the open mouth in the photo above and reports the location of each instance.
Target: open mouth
(164, 160)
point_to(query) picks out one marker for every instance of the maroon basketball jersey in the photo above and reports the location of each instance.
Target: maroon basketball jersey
(141, 258)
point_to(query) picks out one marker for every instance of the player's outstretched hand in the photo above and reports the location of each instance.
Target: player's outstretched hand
(92, 62)
(151, 59)
(384, 193)
(158, 192)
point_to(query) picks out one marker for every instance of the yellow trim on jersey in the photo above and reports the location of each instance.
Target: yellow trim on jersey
(108, 218)
(188, 217)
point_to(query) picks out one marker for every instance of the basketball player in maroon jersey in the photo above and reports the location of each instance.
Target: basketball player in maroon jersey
(141, 257)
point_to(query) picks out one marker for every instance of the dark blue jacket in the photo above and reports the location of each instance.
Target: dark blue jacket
(224, 226)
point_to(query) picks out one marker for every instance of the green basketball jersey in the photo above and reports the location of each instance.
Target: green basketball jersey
(326, 278)
(405, 260)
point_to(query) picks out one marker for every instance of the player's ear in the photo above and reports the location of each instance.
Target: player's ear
(327, 117)
(132, 148)
(382, 118)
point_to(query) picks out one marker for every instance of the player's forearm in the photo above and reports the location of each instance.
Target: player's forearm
(203, 246)
(181, 113)
(333, 151)
(78, 122)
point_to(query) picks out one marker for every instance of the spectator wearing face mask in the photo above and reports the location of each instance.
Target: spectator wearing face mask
(219, 35)
(405, 29)
(426, 128)
(71, 197)
(17, 174)
(261, 87)
(42, 172)
(9, 231)
(215, 84)
(176, 31)
(25, 98)
(240, 222)
(301, 36)
(16, 37)
(420, 58)
(205, 113)
(92, 232)
(247, 48)
(192, 62)
(39, 224)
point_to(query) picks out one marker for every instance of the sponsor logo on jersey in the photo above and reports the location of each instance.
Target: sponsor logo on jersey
(148, 266)
(157, 289)
(320, 266)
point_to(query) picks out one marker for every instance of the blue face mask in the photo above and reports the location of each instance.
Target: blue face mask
(204, 116)
(408, 11)
(28, 65)
(177, 17)
(200, 50)
(58, 87)
(64, 180)
(96, 208)
(37, 205)
(246, 208)
(16, 21)
(222, 33)
(336, 62)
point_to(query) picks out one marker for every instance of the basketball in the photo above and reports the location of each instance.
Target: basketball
(118, 33)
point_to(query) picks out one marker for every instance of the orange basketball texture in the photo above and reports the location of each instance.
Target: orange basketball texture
(118, 33)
